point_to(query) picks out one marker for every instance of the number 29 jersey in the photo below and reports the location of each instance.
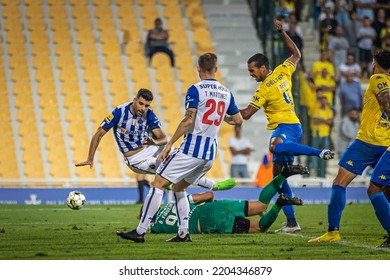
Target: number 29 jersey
(275, 96)
(212, 101)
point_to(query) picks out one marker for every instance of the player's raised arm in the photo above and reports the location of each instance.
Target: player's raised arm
(93, 145)
(295, 52)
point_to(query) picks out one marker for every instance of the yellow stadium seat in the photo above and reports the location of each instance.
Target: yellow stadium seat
(29, 142)
(33, 169)
(59, 169)
(52, 130)
(72, 100)
(160, 60)
(50, 114)
(28, 128)
(80, 11)
(94, 87)
(23, 100)
(76, 129)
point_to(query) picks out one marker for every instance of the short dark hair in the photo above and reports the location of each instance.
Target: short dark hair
(145, 94)
(260, 60)
(382, 57)
(208, 62)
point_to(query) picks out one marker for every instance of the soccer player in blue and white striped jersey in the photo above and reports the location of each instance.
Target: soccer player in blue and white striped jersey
(131, 123)
(208, 103)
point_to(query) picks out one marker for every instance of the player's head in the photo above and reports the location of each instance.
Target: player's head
(207, 64)
(142, 101)
(258, 67)
(381, 62)
(158, 23)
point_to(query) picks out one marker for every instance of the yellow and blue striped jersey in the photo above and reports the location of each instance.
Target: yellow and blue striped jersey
(275, 96)
(375, 124)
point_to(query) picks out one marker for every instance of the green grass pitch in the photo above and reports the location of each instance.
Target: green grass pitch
(44, 232)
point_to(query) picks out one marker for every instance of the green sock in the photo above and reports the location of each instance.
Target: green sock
(269, 191)
(269, 218)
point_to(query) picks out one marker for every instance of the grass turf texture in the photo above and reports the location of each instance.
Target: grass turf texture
(43, 232)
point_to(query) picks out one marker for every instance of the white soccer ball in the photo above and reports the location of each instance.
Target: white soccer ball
(75, 200)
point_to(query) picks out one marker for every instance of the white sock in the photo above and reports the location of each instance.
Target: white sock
(182, 212)
(206, 183)
(151, 205)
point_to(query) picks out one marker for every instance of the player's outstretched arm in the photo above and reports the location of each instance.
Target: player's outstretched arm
(248, 112)
(295, 52)
(203, 197)
(93, 145)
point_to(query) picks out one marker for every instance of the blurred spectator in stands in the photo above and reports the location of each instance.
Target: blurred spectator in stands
(350, 94)
(322, 121)
(323, 63)
(385, 32)
(350, 66)
(283, 9)
(384, 4)
(349, 127)
(297, 39)
(387, 43)
(351, 29)
(157, 41)
(338, 47)
(241, 148)
(327, 25)
(264, 173)
(327, 85)
(342, 10)
(366, 36)
(365, 8)
(378, 23)
(292, 19)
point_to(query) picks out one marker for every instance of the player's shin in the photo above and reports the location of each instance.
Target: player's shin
(269, 218)
(182, 212)
(382, 209)
(269, 191)
(336, 207)
(296, 149)
(150, 208)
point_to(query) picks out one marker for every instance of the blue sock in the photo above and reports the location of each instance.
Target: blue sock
(296, 149)
(382, 209)
(336, 207)
(288, 209)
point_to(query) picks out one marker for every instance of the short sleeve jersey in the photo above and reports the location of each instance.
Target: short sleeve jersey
(275, 96)
(212, 101)
(130, 130)
(375, 124)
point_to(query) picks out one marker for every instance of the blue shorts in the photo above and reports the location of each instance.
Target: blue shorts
(359, 155)
(289, 133)
(381, 173)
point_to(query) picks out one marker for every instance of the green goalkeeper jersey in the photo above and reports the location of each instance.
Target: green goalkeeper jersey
(166, 219)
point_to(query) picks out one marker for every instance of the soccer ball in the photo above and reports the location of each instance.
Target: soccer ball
(75, 200)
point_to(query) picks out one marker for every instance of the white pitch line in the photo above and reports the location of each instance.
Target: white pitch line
(343, 242)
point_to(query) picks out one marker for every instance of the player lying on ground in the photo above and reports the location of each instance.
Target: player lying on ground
(229, 216)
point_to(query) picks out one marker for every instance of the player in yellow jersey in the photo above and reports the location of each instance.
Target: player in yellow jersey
(370, 145)
(274, 95)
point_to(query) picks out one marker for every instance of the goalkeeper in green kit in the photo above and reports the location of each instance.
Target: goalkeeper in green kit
(229, 216)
